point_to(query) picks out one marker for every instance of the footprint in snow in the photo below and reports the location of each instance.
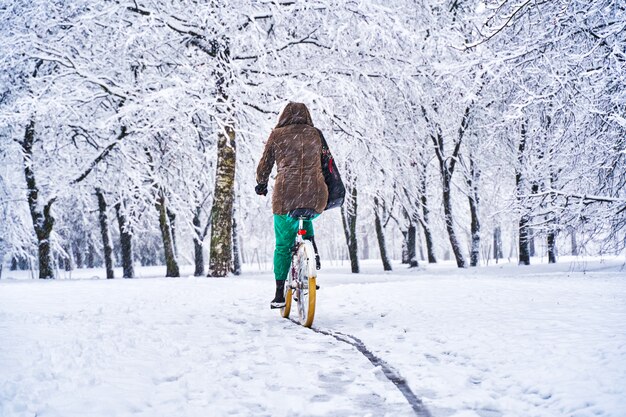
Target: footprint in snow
(488, 412)
(475, 380)
(335, 382)
(321, 398)
(431, 358)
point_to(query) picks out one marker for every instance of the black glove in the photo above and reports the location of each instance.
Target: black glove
(261, 189)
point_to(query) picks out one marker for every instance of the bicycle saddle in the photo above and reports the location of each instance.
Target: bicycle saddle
(305, 213)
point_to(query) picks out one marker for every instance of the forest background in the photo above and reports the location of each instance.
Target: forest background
(466, 130)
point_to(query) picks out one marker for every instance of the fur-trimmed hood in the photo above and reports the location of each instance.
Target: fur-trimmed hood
(295, 114)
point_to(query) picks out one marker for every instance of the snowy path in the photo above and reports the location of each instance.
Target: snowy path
(173, 348)
(493, 343)
(486, 342)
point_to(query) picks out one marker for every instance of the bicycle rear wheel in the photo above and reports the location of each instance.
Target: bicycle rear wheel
(306, 286)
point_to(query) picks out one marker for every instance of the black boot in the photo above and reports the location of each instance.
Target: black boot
(318, 263)
(279, 299)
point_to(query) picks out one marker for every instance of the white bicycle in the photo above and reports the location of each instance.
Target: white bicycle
(301, 283)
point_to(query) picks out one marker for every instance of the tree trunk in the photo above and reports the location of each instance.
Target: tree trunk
(104, 232)
(524, 232)
(574, 244)
(420, 245)
(197, 245)
(472, 182)
(475, 245)
(236, 247)
(428, 237)
(552, 247)
(412, 246)
(497, 243)
(221, 252)
(524, 247)
(76, 247)
(446, 170)
(126, 243)
(222, 210)
(46, 267)
(344, 222)
(172, 218)
(409, 243)
(381, 237)
(446, 177)
(551, 238)
(68, 263)
(80, 259)
(405, 247)
(43, 222)
(551, 217)
(171, 264)
(449, 219)
(349, 226)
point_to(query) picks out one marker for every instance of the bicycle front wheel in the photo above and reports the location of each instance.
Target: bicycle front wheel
(306, 285)
(288, 295)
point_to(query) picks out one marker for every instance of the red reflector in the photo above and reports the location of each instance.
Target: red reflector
(302, 232)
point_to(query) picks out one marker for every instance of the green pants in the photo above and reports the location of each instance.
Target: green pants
(285, 230)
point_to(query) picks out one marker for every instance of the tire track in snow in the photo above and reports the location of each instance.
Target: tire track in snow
(390, 373)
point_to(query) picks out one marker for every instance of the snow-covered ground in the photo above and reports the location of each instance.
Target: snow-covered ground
(544, 340)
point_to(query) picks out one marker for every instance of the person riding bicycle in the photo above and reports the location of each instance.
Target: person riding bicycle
(295, 145)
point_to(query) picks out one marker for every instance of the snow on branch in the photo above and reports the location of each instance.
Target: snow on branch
(586, 199)
(200, 40)
(302, 41)
(106, 84)
(123, 133)
(506, 20)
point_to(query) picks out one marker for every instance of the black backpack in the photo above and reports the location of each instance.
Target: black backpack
(336, 189)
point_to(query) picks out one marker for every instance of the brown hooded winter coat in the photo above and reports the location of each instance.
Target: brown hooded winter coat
(296, 147)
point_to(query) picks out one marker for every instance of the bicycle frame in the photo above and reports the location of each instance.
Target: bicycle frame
(301, 230)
